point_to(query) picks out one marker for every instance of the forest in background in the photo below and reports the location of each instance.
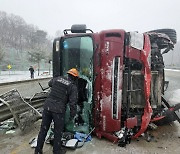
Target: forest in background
(22, 44)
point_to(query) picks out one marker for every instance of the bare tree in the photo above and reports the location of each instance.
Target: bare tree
(36, 57)
(22, 39)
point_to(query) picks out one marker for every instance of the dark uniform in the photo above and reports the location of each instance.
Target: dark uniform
(31, 69)
(63, 91)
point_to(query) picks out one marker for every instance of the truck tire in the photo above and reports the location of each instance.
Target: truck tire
(170, 32)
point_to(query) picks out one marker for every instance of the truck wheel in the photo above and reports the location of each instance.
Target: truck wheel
(170, 32)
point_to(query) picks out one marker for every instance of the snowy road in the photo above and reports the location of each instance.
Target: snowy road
(173, 92)
(11, 76)
(26, 89)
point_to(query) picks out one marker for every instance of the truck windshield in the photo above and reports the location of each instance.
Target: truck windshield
(77, 53)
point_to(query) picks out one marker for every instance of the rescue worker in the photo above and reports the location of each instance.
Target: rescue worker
(63, 91)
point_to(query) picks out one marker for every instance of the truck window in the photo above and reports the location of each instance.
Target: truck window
(136, 40)
(77, 53)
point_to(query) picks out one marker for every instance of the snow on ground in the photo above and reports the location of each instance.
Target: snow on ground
(175, 97)
(175, 70)
(11, 76)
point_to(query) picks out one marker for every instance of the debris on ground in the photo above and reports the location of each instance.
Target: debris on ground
(33, 142)
(152, 126)
(7, 125)
(10, 132)
(23, 113)
(69, 140)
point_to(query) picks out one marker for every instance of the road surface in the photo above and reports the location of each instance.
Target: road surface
(166, 138)
(26, 89)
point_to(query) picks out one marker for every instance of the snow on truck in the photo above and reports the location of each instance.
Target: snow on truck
(121, 84)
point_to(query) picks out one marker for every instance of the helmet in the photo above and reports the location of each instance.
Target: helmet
(73, 72)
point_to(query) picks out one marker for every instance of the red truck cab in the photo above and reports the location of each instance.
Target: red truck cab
(119, 88)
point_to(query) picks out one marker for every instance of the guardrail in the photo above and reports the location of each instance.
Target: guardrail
(5, 113)
(18, 104)
(36, 101)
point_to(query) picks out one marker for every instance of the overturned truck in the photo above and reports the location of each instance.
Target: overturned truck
(121, 84)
